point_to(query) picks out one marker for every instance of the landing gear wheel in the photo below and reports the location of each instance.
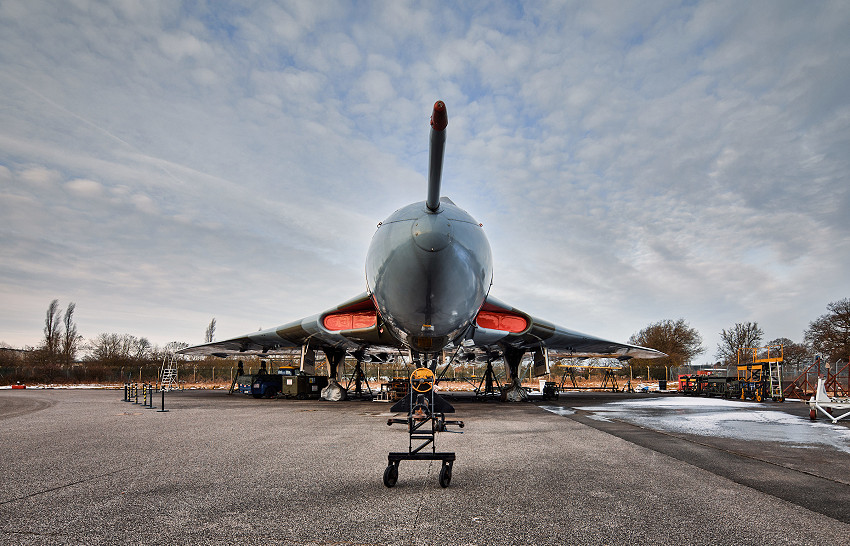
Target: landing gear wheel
(445, 476)
(391, 475)
(813, 414)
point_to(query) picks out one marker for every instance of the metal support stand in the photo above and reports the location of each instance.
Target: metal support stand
(609, 378)
(487, 381)
(358, 378)
(426, 416)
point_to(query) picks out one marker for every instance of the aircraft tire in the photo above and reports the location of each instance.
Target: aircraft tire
(391, 475)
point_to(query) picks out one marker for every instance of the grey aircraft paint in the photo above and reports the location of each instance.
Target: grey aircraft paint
(429, 272)
(428, 269)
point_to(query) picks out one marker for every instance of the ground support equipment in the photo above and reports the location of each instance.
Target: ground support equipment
(837, 380)
(609, 379)
(762, 376)
(358, 378)
(426, 416)
(550, 390)
(490, 382)
(827, 404)
(168, 372)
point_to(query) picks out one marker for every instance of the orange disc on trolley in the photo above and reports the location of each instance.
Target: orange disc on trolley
(422, 380)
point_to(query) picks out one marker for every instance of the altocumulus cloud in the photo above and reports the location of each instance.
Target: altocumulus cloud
(630, 163)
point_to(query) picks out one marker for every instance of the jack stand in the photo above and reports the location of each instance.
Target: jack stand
(488, 380)
(423, 407)
(358, 378)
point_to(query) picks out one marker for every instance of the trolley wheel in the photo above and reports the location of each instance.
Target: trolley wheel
(758, 396)
(391, 475)
(813, 414)
(445, 475)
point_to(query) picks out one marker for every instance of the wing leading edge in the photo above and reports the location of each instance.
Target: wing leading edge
(351, 326)
(499, 324)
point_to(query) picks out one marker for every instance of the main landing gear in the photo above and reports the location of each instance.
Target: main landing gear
(424, 408)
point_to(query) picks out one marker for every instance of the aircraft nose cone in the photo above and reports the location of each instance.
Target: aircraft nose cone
(432, 232)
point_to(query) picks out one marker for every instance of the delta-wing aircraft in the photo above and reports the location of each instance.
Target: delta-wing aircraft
(429, 270)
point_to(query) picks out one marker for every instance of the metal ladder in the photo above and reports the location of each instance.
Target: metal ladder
(168, 373)
(776, 381)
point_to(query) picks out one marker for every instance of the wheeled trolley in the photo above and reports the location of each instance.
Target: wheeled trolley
(394, 458)
(426, 416)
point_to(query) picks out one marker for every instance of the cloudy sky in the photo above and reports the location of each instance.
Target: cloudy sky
(163, 164)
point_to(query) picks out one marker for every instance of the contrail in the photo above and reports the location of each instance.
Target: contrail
(94, 126)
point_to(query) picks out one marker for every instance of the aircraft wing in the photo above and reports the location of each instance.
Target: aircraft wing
(351, 326)
(499, 324)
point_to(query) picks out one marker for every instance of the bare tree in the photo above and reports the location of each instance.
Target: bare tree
(209, 336)
(52, 330)
(795, 356)
(829, 334)
(676, 338)
(105, 348)
(158, 354)
(120, 348)
(743, 335)
(70, 341)
(141, 348)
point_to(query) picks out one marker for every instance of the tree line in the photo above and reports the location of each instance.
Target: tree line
(828, 335)
(62, 348)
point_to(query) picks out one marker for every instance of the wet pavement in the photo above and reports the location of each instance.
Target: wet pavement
(733, 419)
(83, 467)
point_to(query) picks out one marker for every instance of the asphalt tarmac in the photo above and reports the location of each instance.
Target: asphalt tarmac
(83, 467)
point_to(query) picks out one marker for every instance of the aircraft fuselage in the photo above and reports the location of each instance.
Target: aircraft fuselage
(429, 272)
